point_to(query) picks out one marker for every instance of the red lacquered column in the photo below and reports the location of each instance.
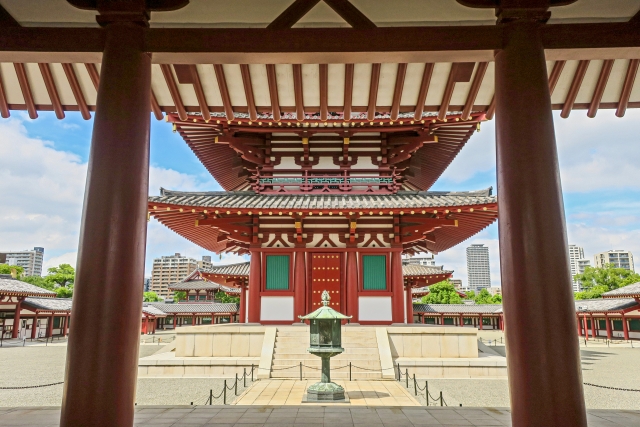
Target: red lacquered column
(243, 304)
(536, 282)
(34, 327)
(409, 303)
(255, 276)
(102, 356)
(300, 284)
(16, 319)
(352, 285)
(397, 287)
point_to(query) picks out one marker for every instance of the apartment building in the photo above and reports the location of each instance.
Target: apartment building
(619, 258)
(172, 269)
(31, 261)
(478, 271)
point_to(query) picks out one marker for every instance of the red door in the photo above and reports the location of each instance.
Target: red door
(325, 276)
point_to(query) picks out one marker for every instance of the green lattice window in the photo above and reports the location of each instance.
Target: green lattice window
(277, 273)
(617, 325)
(602, 324)
(634, 324)
(448, 321)
(374, 275)
(56, 322)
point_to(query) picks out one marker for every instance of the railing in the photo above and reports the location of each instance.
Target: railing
(327, 182)
(417, 390)
(226, 387)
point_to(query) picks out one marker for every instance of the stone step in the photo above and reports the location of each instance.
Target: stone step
(334, 375)
(372, 351)
(317, 363)
(360, 342)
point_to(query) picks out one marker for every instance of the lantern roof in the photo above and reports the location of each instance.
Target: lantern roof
(325, 312)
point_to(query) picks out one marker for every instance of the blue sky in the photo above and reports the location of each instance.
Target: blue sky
(43, 168)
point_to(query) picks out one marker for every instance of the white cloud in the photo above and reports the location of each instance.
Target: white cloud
(66, 258)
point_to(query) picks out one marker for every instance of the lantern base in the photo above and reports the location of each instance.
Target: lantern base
(324, 392)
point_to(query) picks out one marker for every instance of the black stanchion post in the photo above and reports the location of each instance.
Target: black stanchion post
(244, 378)
(235, 386)
(441, 402)
(300, 371)
(224, 393)
(252, 372)
(415, 385)
(210, 397)
(349, 371)
(406, 374)
(426, 391)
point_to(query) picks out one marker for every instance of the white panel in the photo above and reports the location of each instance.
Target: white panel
(412, 82)
(88, 89)
(616, 81)
(386, 87)
(284, 77)
(438, 82)
(311, 85)
(564, 83)
(585, 94)
(336, 84)
(233, 76)
(487, 88)
(260, 85)
(36, 82)
(326, 163)
(209, 85)
(361, 84)
(159, 86)
(374, 309)
(276, 308)
(10, 83)
(364, 162)
(461, 90)
(64, 89)
(287, 163)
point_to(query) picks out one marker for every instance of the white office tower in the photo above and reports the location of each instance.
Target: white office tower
(31, 261)
(619, 259)
(478, 271)
(576, 261)
(168, 270)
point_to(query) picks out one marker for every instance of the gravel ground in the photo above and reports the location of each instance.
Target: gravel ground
(34, 365)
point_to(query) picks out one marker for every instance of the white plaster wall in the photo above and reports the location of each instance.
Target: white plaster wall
(374, 308)
(276, 308)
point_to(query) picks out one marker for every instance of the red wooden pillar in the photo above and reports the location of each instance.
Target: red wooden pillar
(606, 319)
(584, 325)
(593, 326)
(533, 243)
(397, 287)
(579, 325)
(299, 284)
(65, 328)
(480, 322)
(409, 303)
(352, 284)
(442, 319)
(144, 325)
(175, 321)
(16, 319)
(243, 304)
(193, 320)
(107, 302)
(34, 327)
(255, 283)
(49, 327)
(625, 327)
(461, 320)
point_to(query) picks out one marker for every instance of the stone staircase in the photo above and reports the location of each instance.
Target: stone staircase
(360, 345)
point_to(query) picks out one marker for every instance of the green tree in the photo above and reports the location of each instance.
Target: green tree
(150, 297)
(471, 295)
(38, 281)
(6, 269)
(223, 297)
(64, 291)
(442, 293)
(62, 275)
(483, 297)
(179, 296)
(496, 299)
(596, 281)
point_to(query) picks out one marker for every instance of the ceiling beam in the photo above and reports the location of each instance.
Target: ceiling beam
(348, 90)
(555, 75)
(324, 92)
(424, 89)
(248, 91)
(292, 14)
(273, 91)
(77, 90)
(578, 77)
(224, 91)
(605, 72)
(373, 91)
(50, 84)
(350, 13)
(397, 92)
(6, 20)
(630, 78)
(23, 81)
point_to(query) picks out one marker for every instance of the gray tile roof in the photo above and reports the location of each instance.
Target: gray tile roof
(49, 304)
(197, 308)
(600, 305)
(629, 291)
(251, 200)
(239, 269)
(422, 270)
(11, 286)
(202, 285)
(458, 308)
(154, 311)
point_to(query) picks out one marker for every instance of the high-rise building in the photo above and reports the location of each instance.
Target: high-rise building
(478, 271)
(171, 269)
(205, 262)
(577, 264)
(619, 258)
(31, 261)
(428, 260)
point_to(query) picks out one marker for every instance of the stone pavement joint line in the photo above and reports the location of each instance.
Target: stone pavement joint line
(284, 416)
(361, 393)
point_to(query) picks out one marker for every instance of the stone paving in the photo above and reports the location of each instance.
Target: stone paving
(361, 393)
(307, 416)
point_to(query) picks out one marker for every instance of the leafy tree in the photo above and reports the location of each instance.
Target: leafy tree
(596, 281)
(6, 269)
(471, 295)
(150, 297)
(62, 275)
(497, 299)
(179, 296)
(64, 291)
(442, 293)
(223, 297)
(38, 281)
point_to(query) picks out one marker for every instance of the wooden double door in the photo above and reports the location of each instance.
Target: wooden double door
(326, 275)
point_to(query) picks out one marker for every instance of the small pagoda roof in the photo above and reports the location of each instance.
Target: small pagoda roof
(55, 305)
(417, 270)
(196, 308)
(240, 269)
(15, 287)
(629, 291)
(152, 311)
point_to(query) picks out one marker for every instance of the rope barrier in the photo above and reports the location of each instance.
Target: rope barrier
(611, 388)
(30, 386)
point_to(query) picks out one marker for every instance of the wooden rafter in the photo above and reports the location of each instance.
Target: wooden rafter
(297, 89)
(23, 80)
(273, 91)
(248, 91)
(348, 90)
(397, 91)
(93, 74)
(324, 91)
(555, 75)
(197, 86)
(224, 91)
(155, 107)
(473, 91)
(350, 13)
(292, 14)
(605, 72)
(70, 72)
(51, 89)
(460, 72)
(491, 110)
(373, 91)
(629, 79)
(173, 90)
(4, 105)
(424, 89)
(574, 88)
